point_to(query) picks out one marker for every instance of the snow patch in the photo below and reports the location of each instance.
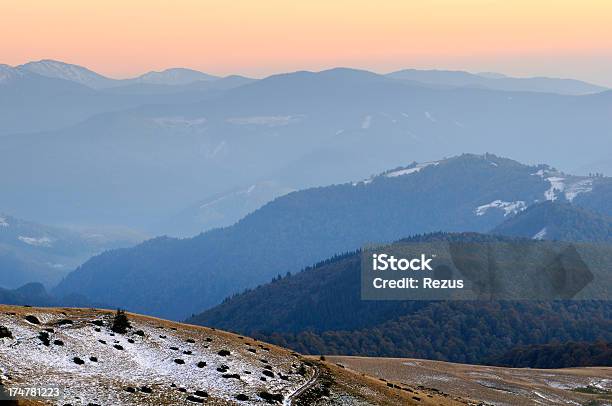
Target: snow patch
(582, 186)
(556, 185)
(541, 395)
(363, 182)
(602, 384)
(561, 385)
(541, 173)
(430, 117)
(8, 73)
(270, 121)
(560, 184)
(36, 242)
(408, 171)
(507, 207)
(66, 71)
(540, 234)
(173, 122)
(3, 222)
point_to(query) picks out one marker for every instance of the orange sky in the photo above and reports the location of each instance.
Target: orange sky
(260, 37)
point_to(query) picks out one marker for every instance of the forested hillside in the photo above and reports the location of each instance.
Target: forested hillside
(557, 355)
(320, 310)
(558, 221)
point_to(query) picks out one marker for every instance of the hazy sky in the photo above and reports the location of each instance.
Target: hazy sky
(120, 38)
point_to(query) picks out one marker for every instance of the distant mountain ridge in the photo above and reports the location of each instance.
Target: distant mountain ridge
(35, 294)
(181, 76)
(47, 95)
(173, 76)
(464, 193)
(87, 77)
(299, 129)
(66, 71)
(8, 73)
(497, 81)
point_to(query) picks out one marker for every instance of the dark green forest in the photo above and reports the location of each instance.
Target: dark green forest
(557, 355)
(320, 311)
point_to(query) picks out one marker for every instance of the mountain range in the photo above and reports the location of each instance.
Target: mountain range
(35, 294)
(497, 81)
(49, 95)
(176, 277)
(297, 130)
(84, 76)
(183, 76)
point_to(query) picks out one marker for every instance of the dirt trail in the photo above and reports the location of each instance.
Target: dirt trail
(289, 400)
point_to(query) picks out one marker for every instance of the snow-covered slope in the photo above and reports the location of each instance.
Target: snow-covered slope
(67, 71)
(555, 220)
(562, 185)
(162, 363)
(173, 76)
(79, 74)
(173, 364)
(8, 73)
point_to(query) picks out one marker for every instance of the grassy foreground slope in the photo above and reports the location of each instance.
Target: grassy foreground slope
(157, 362)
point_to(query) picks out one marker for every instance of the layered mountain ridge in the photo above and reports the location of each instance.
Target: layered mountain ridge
(465, 193)
(298, 130)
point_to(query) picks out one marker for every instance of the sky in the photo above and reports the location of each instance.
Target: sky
(123, 38)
